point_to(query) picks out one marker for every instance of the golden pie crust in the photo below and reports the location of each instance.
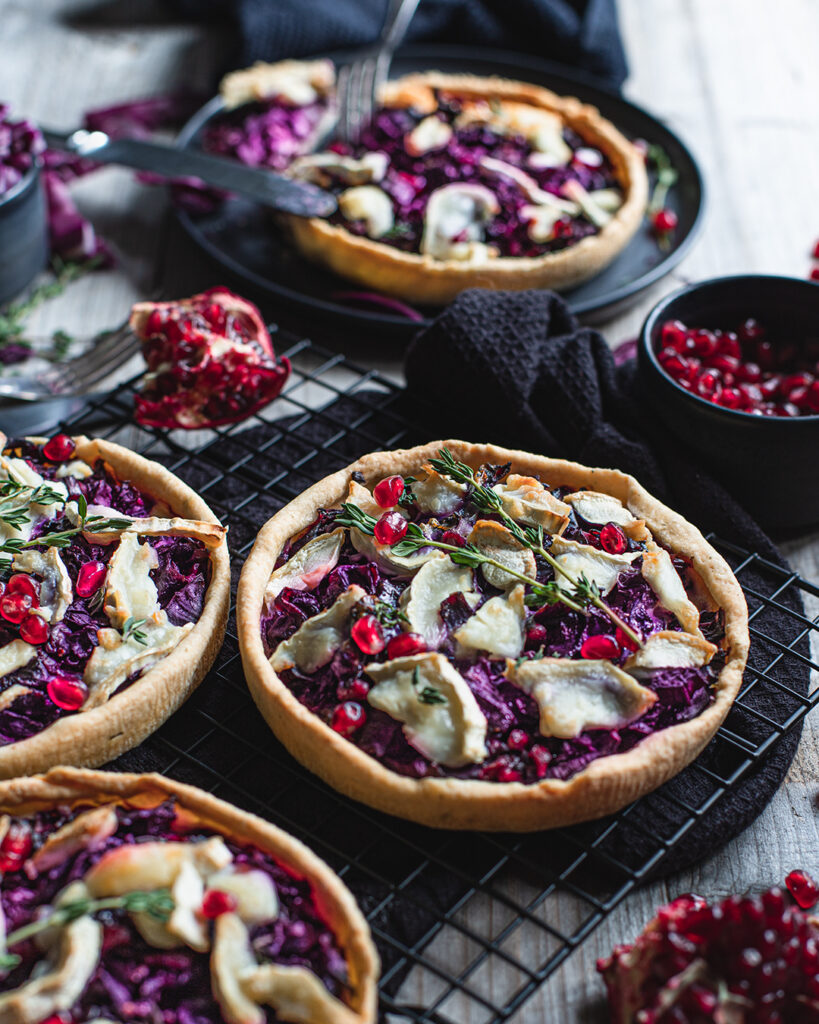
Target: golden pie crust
(91, 738)
(333, 900)
(424, 280)
(603, 787)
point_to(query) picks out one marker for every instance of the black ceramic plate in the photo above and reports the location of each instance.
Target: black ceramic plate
(240, 238)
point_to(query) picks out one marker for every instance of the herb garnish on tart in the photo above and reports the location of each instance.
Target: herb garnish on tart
(553, 627)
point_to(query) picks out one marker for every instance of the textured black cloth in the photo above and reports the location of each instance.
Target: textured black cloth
(517, 369)
(580, 33)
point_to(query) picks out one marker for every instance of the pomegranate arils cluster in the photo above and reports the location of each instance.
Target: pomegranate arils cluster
(19, 599)
(743, 369)
(745, 961)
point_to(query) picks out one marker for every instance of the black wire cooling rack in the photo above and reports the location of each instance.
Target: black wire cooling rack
(472, 924)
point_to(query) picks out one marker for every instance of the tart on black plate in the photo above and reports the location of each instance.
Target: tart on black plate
(459, 181)
(114, 592)
(472, 637)
(133, 897)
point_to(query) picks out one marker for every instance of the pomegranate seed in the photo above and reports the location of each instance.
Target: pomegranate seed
(725, 364)
(215, 903)
(664, 220)
(15, 607)
(153, 324)
(355, 690)
(749, 373)
(708, 385)
(563, 228)
(387, 492)
(795, 380)
(367, 634)
(766, 355)
(814, 274)
(453, 538)
(16, 846)
(624, 640)
(674, 334)
(348, 717)
(813, 396)
(507, 774)
(728, 345)
(90, 578)
(22, 583)
(536, 635)
(34, 630)
(731, 398)
(215, 315)
(612, 539)
(751, 330)
(599, 646)
(541, 757)
(390, 528)
(803, 888)
(68, 694)
(406, 644)
(59, 449)
(518, 739)
(705, 343)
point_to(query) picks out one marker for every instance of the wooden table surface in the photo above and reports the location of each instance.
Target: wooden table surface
(738, 79)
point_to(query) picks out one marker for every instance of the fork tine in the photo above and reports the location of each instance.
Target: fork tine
(342, 99)
(366, 106)
(354, 102)
(91, 366)
(102, 368)
(110, 342)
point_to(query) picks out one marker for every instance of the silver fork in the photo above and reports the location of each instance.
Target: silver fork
(75, 376)
(358, 83)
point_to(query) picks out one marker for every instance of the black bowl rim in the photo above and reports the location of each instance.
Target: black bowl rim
(31, 175)
(645, 347)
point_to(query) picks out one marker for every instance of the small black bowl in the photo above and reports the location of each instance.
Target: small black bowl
(771, 464)
(23, 234)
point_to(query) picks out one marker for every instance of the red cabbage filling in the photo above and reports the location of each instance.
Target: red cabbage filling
(20, 144)
(682, 693)
(137, 982)
(181, 578)
(272, 134)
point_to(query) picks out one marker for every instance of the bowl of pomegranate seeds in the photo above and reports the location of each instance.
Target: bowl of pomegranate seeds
(731, 366)
(23, 234)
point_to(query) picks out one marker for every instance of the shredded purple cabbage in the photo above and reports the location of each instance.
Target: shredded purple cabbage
(137, 982)
(20, 145)
(265, 134)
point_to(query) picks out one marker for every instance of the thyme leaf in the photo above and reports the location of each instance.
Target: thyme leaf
(131, 631)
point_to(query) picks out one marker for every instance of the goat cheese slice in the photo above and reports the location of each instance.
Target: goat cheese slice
(436, 493)
(670, 649)
(370, 204)
(18, 471)
(497, 626)
(231, 961)
(441, 717)
(298, 82)
(658, 570)
(130, 593)
(496, 541)
(455, 216)
(87, 831)
(210, 534)
(598, 212)
(543, 129)
(15, 655)
(598, 508)
(526, 499)
(76, 468)
(382, 554)
(316, 641)
(575, 695)
(56, 592)
(254, 891)
(323, 168)
(434, 582)
(598, 566)
(428, 136)
(308, 567)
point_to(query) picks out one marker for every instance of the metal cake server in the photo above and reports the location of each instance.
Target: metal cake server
(261, 185)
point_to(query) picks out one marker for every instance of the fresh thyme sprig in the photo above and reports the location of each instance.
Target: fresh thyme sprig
(426, 694)
(584, 591)
(158, 903)
(131, 631)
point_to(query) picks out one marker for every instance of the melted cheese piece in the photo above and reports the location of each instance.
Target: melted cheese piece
(437, 494)
(497, 626)
(56, 592)
(316, 641)
(449, 728)
(370, 204)
(61, 980)
(308, 567)
(187, 892)
(530, 188)
(526, 500)
(76, 468)
(129, 590)
(575, 695)
(598, 508)
(435, 581)
(540, 221)
(670, 649)
(541, 128)
(495, 541)
(598, 566)
(659, 572)
(428, 136)
(298, 82)
(323, 168)
(231, 962)
(87, 831)
(19, 471)
(454, 218)
(211, 534)
(15, 655)
(382, 554)
(254, 891)
(599, 213)
(153, 865)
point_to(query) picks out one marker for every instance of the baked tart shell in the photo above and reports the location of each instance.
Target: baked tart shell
(606, 785)
(421, 279)
(91, 738)
(334, 901)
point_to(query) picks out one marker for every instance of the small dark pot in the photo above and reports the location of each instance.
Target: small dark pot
(23, 235)
(770, 464)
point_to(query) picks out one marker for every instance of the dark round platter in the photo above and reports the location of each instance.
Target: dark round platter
(240, 238)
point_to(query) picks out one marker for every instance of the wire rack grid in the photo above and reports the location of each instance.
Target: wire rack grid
(468, 926)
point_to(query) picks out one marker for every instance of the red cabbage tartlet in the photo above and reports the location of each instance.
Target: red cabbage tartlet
(114, 592)
(136, 898)
(458, 182)
(472, 637)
